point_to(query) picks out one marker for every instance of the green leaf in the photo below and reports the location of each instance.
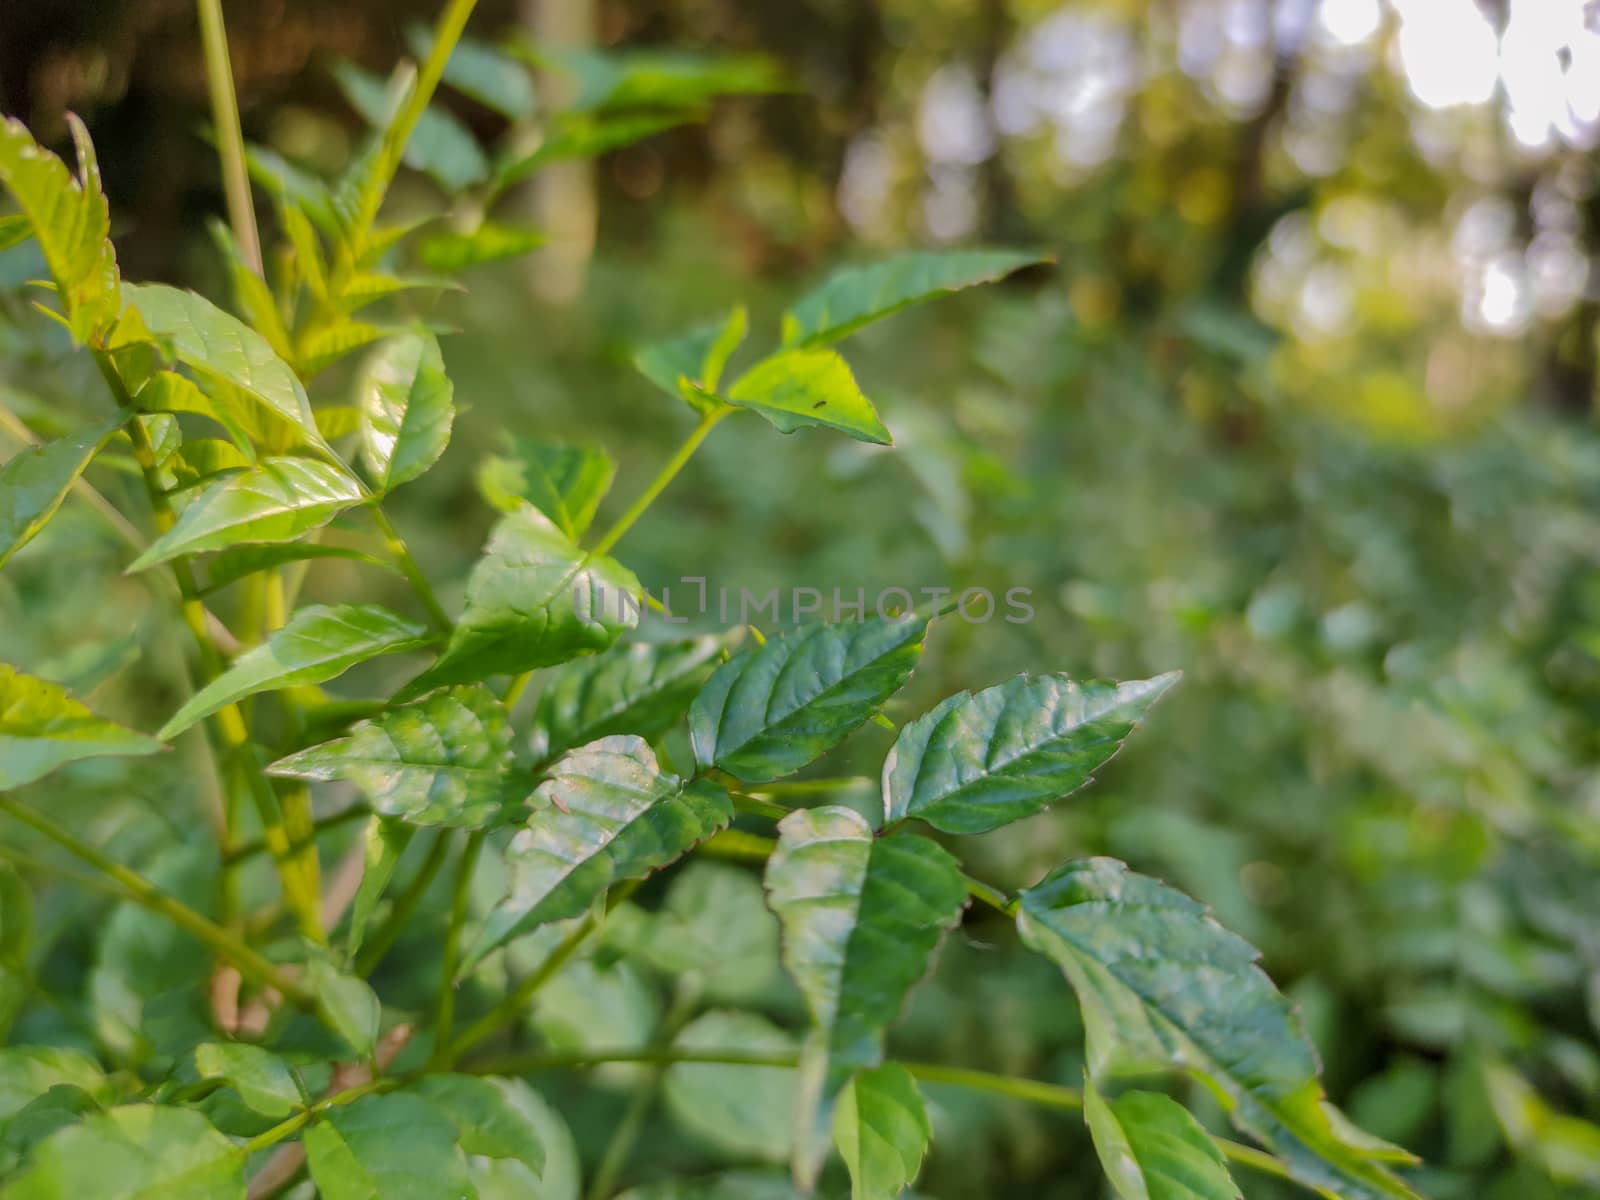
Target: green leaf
(27, 1072)
(383, 845)
(1162, 986)
(696, 358)
(442, 760)
(643, 688)
(251, 295)
(136, 1152)
(489, 1120)
(856, 296)
(60, 1105)
(450, 251)
(861, 917)
(605, 813)
(70, 222)
(292, 187)
(533, 600)
(387, 1147)
(716, 927)
(317, 644)
(589, 135)
(216, 345)
(230, 566)
(276, 501)
(16, 947)
(34, 482)
(15, 228)
(769, 712)
(794, 388)
(407, 407)
(510, 1179)
(1152, 1149)
(882, 1132)
(1567, 1147)
(663, 78)
(348, 1003)
(440, 146)
(977, 762)
(42, 728)
(477, 69)
(261, 1078)
(744, 1111)
(565, 483)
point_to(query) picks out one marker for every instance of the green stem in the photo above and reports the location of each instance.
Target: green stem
(738, 845)
(376, 947)
(668, 473)
(989, 894)
(230, 138)
(444, 1023)
(147, 895)
(343, 817)
(292, 1126)
(745, 802)
(408, 567)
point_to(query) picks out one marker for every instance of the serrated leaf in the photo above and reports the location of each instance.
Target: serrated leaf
(605, 813)
(449, 251)
(383, 845)
(276, 501)
(230, 566)
(744, 1111)
(324, 345)
(589, 135)
(212, 343)
(135, 1152)
(643, 688)
(565, 483)
(441, 760)
(70, 223)
(882, 1131)
(1152, 1149)
(1162, 986)
(769, 712)
(440, 146)
(533, 600)
(861, 917)
(42, 728)
(856, 296)
(488, 1119)
(261, 1078)
(386, 1147)
(316, 644)
(34, 482)
(980, 761)
(481, 71)
(407, 407)
(796, 388)
(347, 1003)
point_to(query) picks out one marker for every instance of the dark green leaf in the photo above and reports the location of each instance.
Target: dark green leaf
(136, 1152)
(976, 762)
(42, 728)
(387, 1147)
(857, 296)
(276, 501)
(606, 813)
(769, 712)
(442, 760)
(407, 408)
(565, 483)
(795, 388)
(440, 146)
(487, 1117)
(34, 482)
(861, 917)
(882, 1132)
(1164, 987)
(1152, 1149)
(261, 1078)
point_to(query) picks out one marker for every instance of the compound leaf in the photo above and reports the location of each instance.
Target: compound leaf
(565, 483)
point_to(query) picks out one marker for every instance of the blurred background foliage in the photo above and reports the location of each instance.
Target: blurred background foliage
(1305, 409)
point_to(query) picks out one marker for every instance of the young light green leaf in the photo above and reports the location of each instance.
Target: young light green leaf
(769, 712)
(794, 388)
(1152, 1149)
(347, 1003)
(29, 1071)
(214, 344)
(659, 79)
(696, 357)
(387, 1147)
(643, 688)
(442, 760)
(882, 1132)
(276, 501)
(317, 644)
(133, 1153)
(383, 844)
(440, 146)
(976, 762)
(589, 135)
(477, 69)
(745, 1111)
(605, 813)
(407, 407)
(42, 728)
(1567, 1147)
(292, 187)
(856, 296)
(565, 483)
(533, 600)
(261, 1078)
(1162, 986)
(34, 482)
(251, 295)
(449, 251)
(488, 1119)
(861, 917)
(70, 223)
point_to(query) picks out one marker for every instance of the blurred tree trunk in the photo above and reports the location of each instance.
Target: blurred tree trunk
(562, 196)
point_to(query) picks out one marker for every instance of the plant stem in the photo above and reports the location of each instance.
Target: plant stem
(444, 1023)
(230, 138)
(147, 895)
(376, 947)
(668, 473)
(332, 821)
(745, 802)
(300, 1120)
(989, 894)
(737, 844)
(408, 567)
